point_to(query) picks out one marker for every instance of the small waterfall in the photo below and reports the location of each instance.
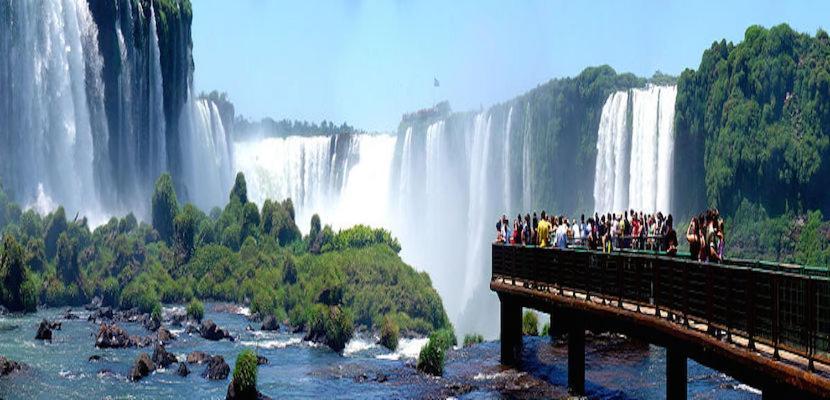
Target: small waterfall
(434, 166)
(633, 166)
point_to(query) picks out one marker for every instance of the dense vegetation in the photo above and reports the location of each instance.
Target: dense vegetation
(754, 124)
(759, 114)
(326, 281)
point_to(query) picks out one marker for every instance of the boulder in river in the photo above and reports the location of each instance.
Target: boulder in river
(44, 331)
(8, 366)
(94, 357)
(260, 360)
(112, 337)
(211, 331)
(102, 313)
(164, 335)
(162, 357)
(270, 324)
(217, 369)
(183, 371)
(142, 367)
(197, 357)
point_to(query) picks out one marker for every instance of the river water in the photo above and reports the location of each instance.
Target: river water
(616, 368)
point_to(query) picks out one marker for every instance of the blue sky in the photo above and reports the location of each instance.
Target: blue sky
(368, 62)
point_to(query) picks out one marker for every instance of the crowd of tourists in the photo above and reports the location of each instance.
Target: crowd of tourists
(611, 232)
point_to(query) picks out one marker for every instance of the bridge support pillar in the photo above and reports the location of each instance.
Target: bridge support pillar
(576, 355)
(676, 374)
(511, 331)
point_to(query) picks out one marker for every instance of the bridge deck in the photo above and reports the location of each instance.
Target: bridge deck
(770, 319)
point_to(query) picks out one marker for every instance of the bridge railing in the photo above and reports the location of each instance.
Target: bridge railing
(782, 309)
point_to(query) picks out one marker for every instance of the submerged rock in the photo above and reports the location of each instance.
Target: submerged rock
(211, 331)
(94, 357)
(69, 315)
(182, 371)
(44, 331)
(142, 367)
(260, 360)
(270, 324)
(217, 369)
(162, 357)
(8, 366)
(197, 357)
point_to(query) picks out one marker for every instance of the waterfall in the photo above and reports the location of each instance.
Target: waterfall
(207, 164)
(52, 132)
(634, 164)
(300, 168)
(612, 155)
(527, 146)
(506, 170)
(406, 171)
(157, 160)
(665, 147)
(478, 219)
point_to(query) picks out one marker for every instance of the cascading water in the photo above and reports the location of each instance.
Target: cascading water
(207, 163)
(633, 166)
(506, 170)
(157, 160)
(51, 100)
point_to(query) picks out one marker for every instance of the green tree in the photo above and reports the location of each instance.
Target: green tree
(68, 269)
(165, 206)
(530, 324)
(13, 272)
(389, 333)
(184, 228)
(239, 192)
(57, 226)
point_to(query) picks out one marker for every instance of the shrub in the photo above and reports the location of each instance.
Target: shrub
(471, 339)
(431, 358)
(445, 338)
(546, 329)
(155, 314)
(389, 333)
(244, 375)
(110, 292)
(196, 310)
(334, 326)
(530, 324)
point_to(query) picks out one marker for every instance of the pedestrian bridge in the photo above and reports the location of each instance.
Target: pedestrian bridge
(767, 325)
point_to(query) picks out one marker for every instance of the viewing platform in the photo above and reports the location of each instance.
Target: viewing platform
(767, 325)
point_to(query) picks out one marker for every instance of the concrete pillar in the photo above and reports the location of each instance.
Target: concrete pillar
(511, 331)
(676, 374)
(576, 355)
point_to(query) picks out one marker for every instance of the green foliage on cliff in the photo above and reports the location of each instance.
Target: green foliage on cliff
(236, 254)
(754, 122)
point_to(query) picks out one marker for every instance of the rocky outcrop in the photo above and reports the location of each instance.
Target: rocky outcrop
(270, 324)
(9, 367)
(112, 337)
(101, 314)
(142, 367)
(162, 358)
(211, 331)
(197, 357)
(44, 331)
(233, 395)
(217, 369)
